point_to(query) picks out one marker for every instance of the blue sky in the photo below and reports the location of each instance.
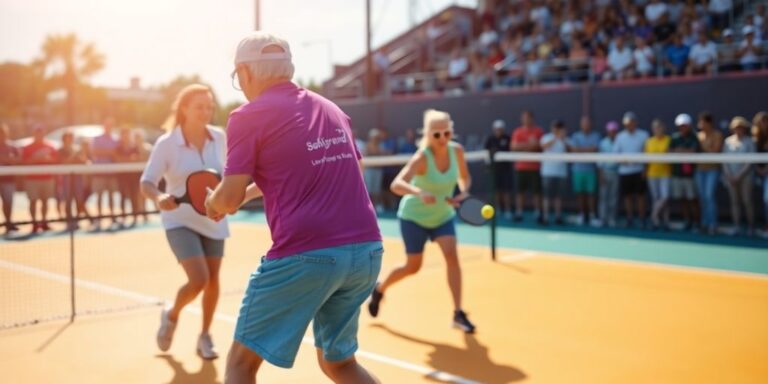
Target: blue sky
(159, 39)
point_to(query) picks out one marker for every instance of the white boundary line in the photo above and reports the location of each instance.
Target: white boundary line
(520, 256)
(429, 372)
(529, 254)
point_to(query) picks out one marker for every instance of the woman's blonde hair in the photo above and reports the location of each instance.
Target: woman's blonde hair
(182, 100)
(431, 116)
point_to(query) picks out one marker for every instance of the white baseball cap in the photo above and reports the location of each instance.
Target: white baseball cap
(252, 48)
(683, 119)
(499, 124)
(747, 30)
(727, 32)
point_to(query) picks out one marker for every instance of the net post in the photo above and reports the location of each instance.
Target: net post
(492, 197)
(71, 229)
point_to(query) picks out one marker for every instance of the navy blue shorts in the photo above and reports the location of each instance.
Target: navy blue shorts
(415, 236)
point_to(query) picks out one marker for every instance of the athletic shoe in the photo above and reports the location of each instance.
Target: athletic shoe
(373, 305)
(205, 348)
(559, 221)
(165, 333)
(461, 321)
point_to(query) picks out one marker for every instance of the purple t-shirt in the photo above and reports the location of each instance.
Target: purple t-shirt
(105, 142)
(298, 148)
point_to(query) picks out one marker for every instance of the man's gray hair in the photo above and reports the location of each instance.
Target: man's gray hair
(271, 69)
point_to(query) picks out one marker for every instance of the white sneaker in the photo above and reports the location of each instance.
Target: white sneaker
(165, 333)
(205, 347)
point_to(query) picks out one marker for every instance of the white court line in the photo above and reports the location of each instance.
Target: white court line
(519, 256)
(431, 373)
(529, 254)
(80, 283)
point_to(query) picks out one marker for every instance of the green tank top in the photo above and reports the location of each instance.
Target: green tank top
(440, 184)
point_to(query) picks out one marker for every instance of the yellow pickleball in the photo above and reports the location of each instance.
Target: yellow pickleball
(487, 211)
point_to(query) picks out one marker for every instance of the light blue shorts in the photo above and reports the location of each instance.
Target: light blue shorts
(326, 286)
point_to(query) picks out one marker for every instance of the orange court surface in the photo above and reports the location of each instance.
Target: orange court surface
(542, 318)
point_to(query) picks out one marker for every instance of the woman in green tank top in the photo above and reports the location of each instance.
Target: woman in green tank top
(427, 209)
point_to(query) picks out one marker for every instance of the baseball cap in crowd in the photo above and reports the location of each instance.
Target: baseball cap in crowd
(259, 46)
(683, 119)
(748, 29)
(612, 126)
(629, 116)
(727, 32)
(499, 124)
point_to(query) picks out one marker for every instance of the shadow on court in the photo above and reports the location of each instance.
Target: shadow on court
(206, 375)
(471, 362)
(53, 337)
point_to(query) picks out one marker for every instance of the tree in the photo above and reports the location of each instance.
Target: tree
(21, 87)
(69, 62)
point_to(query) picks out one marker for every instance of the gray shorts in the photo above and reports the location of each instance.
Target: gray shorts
(40, 189)
(186, 243)
(683, 188)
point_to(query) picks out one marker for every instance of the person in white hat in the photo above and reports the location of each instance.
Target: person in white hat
(749, 50)
(728, 53)
(326, 254)
(683, 186)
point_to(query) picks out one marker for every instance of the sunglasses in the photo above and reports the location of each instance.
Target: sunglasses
(446, 134)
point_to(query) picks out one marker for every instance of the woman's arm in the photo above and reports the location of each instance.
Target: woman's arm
(402, 186)
(164, 201)
(465, 179)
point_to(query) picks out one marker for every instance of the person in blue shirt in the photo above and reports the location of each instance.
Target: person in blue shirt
(676, 57)
(407, 144)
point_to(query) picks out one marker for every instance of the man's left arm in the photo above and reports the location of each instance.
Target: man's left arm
(227, 197)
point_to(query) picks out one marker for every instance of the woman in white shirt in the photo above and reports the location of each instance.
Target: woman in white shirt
(198, 242)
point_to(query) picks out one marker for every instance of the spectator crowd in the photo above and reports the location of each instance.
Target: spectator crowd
(71, 191)
(601, 188)
(525, 42)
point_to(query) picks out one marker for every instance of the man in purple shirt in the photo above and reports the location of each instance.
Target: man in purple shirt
(299, 150)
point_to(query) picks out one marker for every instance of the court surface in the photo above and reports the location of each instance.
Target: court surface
(558, 307)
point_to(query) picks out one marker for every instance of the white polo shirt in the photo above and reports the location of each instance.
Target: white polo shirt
(173, 159)
(703, 53)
